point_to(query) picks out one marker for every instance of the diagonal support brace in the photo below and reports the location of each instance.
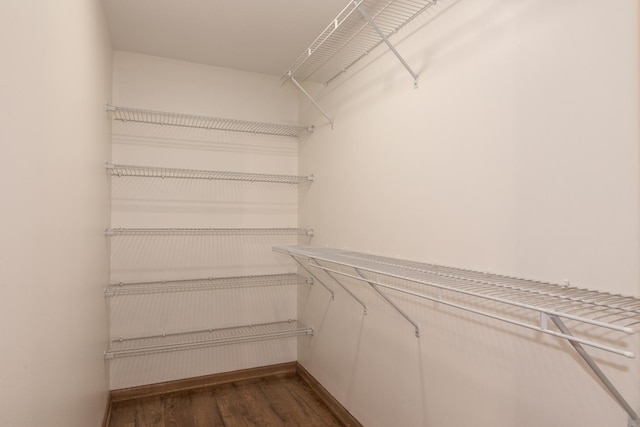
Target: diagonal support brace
(313, 101)
(314, 276)
(634, 420)
(316, 265)
(391, 303)
(383, 36)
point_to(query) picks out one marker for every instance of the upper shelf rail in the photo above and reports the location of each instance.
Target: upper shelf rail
(160, 172)
(127, 114)
(351, 36)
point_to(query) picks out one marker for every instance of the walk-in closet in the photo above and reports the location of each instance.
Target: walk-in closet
(349, 212)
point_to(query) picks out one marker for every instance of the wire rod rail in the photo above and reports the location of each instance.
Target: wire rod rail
(549, 301)
(161, 172)
(122, 347)
(208, 231)
(126, 114)
(208, 283)
(615, 312)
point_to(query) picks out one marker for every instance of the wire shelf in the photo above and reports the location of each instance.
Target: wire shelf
(349, 37)
(160, 172)
(205, 338)
(208, 232)
(127, 114)
(209, 283)
(599, 309)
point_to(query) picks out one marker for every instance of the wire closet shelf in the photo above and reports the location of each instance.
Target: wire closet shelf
(123, 347)
(446, 284)
(205, 284)
(491, 295)
(208, 231)
(161, 172)
(358, 29)
(126, 114)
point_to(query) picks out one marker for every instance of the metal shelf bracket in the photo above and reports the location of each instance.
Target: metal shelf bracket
(391, 303)
(313, 101)
(634, 420)
(316, 265)
(370, 21)
(315, 278)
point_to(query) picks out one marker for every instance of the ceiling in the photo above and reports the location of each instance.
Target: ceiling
(263, 36)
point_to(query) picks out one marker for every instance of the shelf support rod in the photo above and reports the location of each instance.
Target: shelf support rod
(387, 299)
(316, 265)
(634, 420)
(313, 101)
(314, 276)
(375, 26)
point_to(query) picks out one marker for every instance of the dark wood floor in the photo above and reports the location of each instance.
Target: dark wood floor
(279, 400)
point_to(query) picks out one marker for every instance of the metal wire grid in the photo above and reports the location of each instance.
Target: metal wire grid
(160, 172)
(350, 36)
(600, 309)
(603, 309)
(209, 283)
(208, 231)
(127, 114)
(205, 338)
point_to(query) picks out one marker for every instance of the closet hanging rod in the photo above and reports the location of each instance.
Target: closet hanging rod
(505, 297)
(208, 231)
(552, 294)
(440, 300)
(126, 114)
(208, 283)
(161, 172)
(205, 338)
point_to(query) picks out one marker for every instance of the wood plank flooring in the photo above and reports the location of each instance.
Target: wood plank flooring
(278, 400)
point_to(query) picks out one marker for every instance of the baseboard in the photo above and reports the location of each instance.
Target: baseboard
(107, 412)
(290, 368)
(336, 407)
(201, 382)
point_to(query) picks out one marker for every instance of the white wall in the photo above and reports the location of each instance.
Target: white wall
(517, 154)
(176, 86)
(55, 80)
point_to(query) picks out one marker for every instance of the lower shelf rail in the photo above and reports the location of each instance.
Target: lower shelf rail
(123, 347)
(525, 303)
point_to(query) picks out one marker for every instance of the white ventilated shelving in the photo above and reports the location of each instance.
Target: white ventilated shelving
(176, 173)
(150, 315)
(208, 232)
(359, 28)
(138, 346)
(207, 283)
(553, 309)
(353, 35)
(127, 114)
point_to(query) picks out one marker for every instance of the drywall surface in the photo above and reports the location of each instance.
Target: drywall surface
(154, 83)
(517, 154)
(55, 80)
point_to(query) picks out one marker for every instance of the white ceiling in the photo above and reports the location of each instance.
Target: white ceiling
(263, 36)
